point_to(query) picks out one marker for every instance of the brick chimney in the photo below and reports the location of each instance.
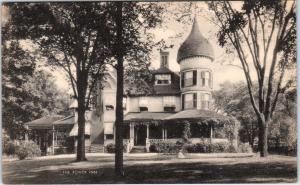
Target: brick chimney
(164, 59)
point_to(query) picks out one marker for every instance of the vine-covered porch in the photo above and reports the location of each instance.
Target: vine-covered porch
(144, 132)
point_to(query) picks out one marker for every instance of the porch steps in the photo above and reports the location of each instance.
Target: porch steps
(95, 148)
(138, 149)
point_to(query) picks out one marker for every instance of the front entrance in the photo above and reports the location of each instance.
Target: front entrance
(140, 134)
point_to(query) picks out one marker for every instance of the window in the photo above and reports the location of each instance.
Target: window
(160, 82)
(109, 136)
(143, 109)
(169, 109)
(109, 107)
(206, 79)
(189, 78)
(189, 101)
(205, 101)
(124, 103)
(162, 79)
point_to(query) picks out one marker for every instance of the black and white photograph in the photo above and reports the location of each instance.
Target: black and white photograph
(149, 92)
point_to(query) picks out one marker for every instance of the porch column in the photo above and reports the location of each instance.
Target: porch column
(211, 133)
(53, 139)
(56, 133)
(131, 131)
(163, 133)
(147, 131)
(26, 133)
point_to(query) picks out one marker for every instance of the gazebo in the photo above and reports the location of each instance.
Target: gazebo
(50, 132)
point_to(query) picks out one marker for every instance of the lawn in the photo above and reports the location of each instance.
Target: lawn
(152, 169)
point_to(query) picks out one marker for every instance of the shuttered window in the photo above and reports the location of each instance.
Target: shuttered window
(182, 80)
(194, 77)
(182, 102)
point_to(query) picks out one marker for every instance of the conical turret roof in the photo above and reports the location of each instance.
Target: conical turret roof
(195, 45)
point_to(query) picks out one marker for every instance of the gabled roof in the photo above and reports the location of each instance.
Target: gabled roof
(69, 120)
(195, 45)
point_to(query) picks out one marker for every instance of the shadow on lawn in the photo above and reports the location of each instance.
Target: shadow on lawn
(227, 171)
(214, 173)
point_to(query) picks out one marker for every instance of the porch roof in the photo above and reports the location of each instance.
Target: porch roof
(196, 114)
(135, 116)
(44, 122)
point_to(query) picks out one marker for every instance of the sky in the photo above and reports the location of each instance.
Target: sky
(174, 32)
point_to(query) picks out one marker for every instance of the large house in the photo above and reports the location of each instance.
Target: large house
(177, 97)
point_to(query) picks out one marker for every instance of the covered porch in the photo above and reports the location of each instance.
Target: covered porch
(145, 128)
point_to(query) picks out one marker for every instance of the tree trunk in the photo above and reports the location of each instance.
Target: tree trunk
(81, 123)
(119, 171)
(81, 138)
(263, 138)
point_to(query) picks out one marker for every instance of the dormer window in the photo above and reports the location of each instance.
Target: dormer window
(162, 79)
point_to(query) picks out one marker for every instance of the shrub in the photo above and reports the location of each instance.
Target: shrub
(186, 133)
(245, 148)
(10, 148)
(28, 149)
(111, 148)
(165, 147)
(207, 147)
(219, 147)
(61, 150)
(201, 147)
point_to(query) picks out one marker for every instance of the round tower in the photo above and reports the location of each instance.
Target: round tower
(195, 57)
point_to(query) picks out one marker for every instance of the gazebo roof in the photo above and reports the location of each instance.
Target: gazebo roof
(44, 122)
(69, 120)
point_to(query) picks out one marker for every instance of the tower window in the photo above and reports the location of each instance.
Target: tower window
(206, 79)
(189, 78)
(205, 101)
(189, 101)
